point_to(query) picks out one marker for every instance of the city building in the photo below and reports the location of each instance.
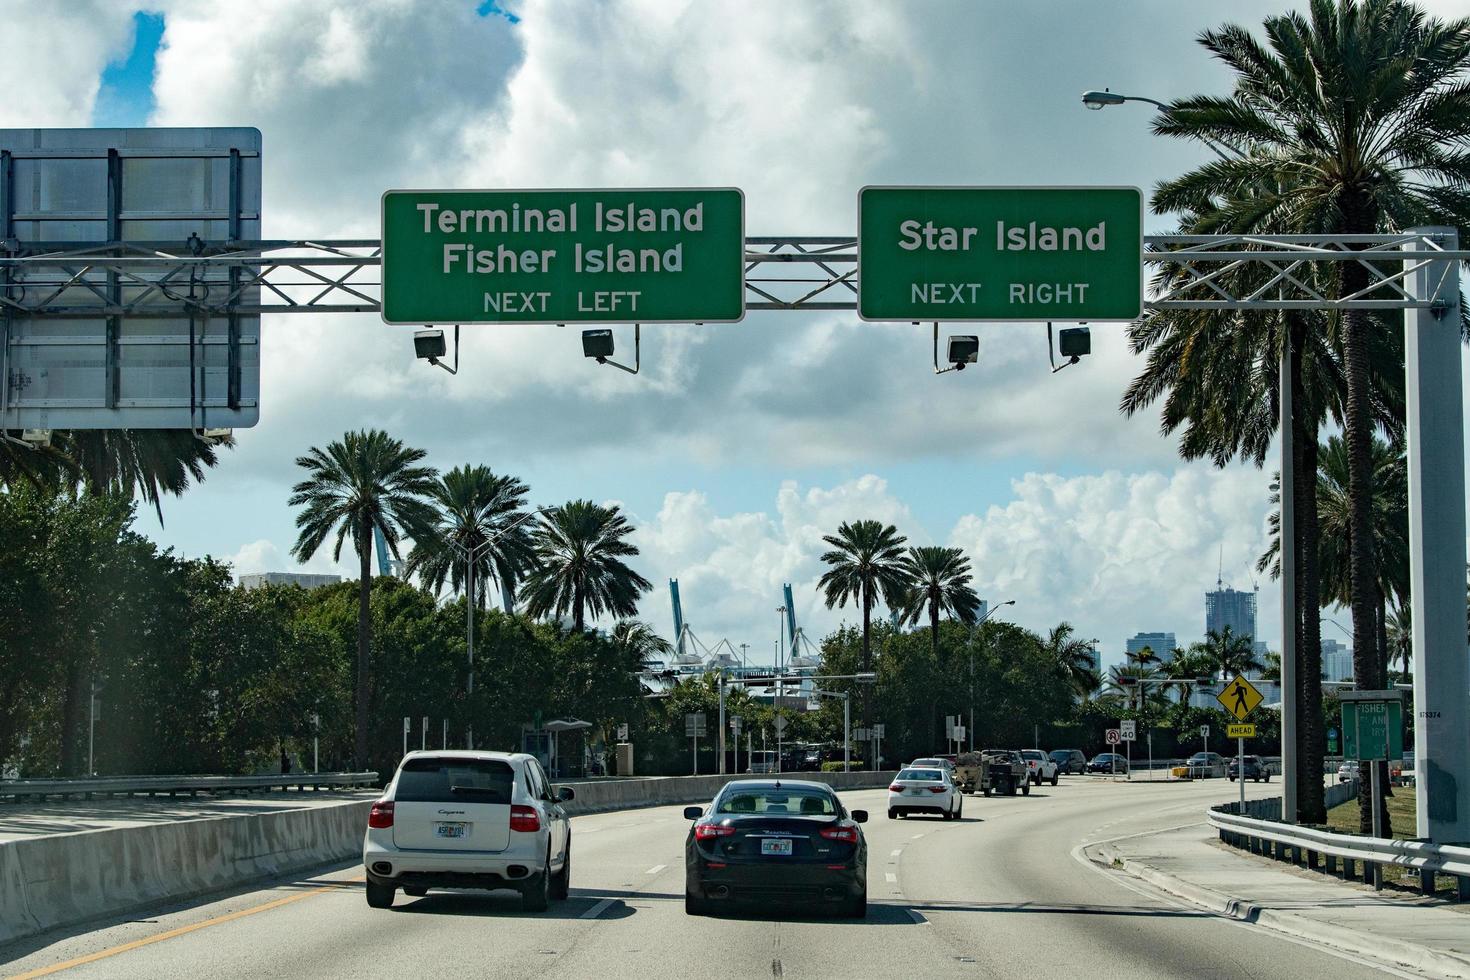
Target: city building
(1228, 607)
(1337, 661)
(1162, 644)
(303, 579)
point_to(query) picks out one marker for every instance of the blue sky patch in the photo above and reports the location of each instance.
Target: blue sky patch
(489, 8)
(125, 97)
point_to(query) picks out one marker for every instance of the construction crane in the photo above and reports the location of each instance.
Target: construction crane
(691, 655)
(804, 654)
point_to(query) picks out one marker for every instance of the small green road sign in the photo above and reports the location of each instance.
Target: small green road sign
(1000, 253)
(1372, 725)
(564, 256)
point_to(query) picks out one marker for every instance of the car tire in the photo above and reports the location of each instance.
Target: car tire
(536, 892)
(985, 791)
(961, 811)
(694, 906)
(1053, 779)
(892, 814)
(858, 907)
(561, 882)
(1026, 790)
(380, 894)
(1266, 778)
(415, 891)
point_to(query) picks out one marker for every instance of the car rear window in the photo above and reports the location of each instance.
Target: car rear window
(801, 802)
(920, 774)
(455, 781)
(1031, 754)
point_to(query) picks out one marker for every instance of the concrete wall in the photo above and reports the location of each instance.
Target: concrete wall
(66, 879)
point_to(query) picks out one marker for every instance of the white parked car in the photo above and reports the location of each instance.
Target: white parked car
(925, 790)
(1040, 767)
(469, 820)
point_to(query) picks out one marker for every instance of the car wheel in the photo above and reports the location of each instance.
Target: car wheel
(536, 892)
(985, 791)
(1053, 779)
(380, 894)
(415, 891)
(858, 909)
(692, 905)
(561, 883)
(1026, 790)
(1232, 779)
(1266, 778)
(961, 811)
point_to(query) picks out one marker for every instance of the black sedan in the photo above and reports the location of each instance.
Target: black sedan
(776, 840)
(1108, 762)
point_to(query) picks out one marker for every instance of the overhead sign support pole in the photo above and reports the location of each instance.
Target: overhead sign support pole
(1436, 452)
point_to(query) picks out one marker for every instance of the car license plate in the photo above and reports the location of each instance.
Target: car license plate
(778, 846)
(451, 829)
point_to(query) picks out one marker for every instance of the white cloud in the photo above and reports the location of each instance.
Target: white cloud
(1112, 553)
(55, 52)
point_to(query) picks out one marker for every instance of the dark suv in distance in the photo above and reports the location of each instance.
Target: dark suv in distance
(1069, 761)
(1255, 769)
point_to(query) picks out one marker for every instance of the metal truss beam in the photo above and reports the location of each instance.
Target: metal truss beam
(156, 279)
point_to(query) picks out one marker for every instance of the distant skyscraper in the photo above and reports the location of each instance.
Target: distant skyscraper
(1337, 661)
(1227, 607)
(1162, 644)
(982, 610)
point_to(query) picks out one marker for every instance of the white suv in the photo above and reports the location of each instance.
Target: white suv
(469, 820)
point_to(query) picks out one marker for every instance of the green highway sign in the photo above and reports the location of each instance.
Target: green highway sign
(1372, 725)
(564, 256)
(1000, 253)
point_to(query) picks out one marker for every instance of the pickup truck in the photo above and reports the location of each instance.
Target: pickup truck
(1039, 766)
(1000, 771)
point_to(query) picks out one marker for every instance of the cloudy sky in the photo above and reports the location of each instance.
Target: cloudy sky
(738, 446)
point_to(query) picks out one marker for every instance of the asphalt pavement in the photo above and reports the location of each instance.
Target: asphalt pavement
(1005, 892)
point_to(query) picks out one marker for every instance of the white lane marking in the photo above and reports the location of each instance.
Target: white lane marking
(890, 877)
(918, 917)
(597, 909)
(655, 869)
(895, 852)
(916, 837)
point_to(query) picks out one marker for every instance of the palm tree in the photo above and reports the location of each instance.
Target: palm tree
(866, 558)
(1226, 653)
(147, 463)
(366, 482)
(478, 514)
(939, 582)
(643, 646)
(1342, 122)
(1075, 658)
(580, 547)
(1186, 666)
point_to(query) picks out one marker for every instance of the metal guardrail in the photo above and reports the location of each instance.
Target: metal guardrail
(33, 789)
(1302, 845)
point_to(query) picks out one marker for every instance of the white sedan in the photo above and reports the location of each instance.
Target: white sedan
(925, 791)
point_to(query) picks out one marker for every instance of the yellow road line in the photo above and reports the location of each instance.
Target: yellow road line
(170, 934)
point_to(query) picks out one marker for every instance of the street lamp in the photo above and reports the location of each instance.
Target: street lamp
(1096, 100)
(991, 612)
(470, 556)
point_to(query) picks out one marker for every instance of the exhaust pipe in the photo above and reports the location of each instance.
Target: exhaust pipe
(382, 868)
(719, 891)
(516, 871)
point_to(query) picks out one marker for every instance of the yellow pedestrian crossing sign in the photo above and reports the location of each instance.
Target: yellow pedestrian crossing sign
(1240, 698)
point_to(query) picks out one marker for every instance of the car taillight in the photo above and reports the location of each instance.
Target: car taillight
(938, 789)
(524, 819)
(381, 815)
(895, 788)
(705, 831)
(848, 834)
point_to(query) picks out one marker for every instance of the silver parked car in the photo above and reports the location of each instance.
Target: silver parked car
(469, 820)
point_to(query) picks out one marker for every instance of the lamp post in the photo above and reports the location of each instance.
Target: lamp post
(971, 730)
(1096, 100)
(470, 557)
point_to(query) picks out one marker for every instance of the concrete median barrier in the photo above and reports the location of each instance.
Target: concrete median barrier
(63, 880)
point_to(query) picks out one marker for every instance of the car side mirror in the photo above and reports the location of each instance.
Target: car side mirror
(566, 794)
(693, 812)
(860, 816)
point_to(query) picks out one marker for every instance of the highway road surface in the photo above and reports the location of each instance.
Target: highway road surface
(1006, 892)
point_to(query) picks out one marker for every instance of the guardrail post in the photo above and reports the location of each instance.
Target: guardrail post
(1329, 863)
(1462, 888)
(1426, 881)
